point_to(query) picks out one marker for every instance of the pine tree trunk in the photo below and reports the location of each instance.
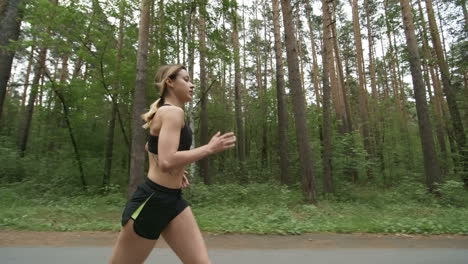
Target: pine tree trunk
(191, 31)
(315, 68)
(283, 149)
(26, 78)
(370, 39)
(139, 102)
(342, 85)
(439, 117)
(352, 173)
(10, 23)
(264, 96)
(298, 99)
(258, 78)
(298, 36)
(449, 93)
(327, 67)
(161, 22)
(111, 127)
(25, 129)
(109, 147)
(363, 110)
(395, 82)
(204, 163)
(437, 97)
(431, 164)
(237, 93)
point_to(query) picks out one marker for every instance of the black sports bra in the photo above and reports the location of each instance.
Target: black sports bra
(184, 143)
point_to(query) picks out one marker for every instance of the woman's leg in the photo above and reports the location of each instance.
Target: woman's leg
(131, 248)
(184, 237)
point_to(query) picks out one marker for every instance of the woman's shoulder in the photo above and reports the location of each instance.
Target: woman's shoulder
(171, 113)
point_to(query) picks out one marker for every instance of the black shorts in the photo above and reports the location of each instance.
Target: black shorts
(152, 207)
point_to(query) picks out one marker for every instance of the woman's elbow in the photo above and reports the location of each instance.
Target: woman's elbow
(165, 165)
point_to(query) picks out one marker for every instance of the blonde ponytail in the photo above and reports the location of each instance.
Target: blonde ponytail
(164, 72)
(148, 116)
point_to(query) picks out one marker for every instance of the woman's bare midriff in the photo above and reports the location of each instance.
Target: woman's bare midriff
(171, 179)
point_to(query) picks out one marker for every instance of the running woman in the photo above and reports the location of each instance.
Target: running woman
(157, 206)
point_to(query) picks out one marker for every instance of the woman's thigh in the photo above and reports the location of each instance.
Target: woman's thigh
(131, 248)
(184, 237)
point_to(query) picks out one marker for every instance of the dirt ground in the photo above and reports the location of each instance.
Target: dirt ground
(10, 238)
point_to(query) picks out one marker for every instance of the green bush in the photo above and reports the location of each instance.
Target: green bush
(453, 194)
(11, 168)
(235, 194)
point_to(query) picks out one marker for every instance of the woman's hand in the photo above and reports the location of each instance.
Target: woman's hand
(220, 142)
(185, 181)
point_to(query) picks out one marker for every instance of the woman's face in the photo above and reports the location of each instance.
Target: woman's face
(182, 86)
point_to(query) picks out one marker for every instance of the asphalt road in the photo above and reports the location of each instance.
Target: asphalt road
(75, 255)
(23, 247)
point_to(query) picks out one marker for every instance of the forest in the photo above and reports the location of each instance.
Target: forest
(328, 99)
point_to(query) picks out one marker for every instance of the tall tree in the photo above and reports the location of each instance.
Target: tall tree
(161, 22)
(114, 107)
(237, 87)
(315, 68)
(191, 27)
(298, 100)
(431, 164)
(283, 150)
(204, 163)
(328, 70)
(437, 98)
(26, 78)
(363, 109)
(137, 161)
(449, 93)
(341, 80)
(26, 125)
(264, 107)
(370, 39)
(11, 15)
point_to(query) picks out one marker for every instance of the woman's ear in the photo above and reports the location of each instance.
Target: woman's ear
(169, 82)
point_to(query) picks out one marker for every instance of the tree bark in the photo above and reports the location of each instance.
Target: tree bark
(370, 40)
(431, 164)
(191, 28)
(117, 85)
(237, 92)
(363, 109)
(342, 85)
(204, 163)
(437, 97)
(283, 149)
(24, 132)
(449, 93)
(260, 90)
(137, 151)
(26, 78)
(161, 21)
(10, 24)
(266, 47)
(298, 99)
(327, 71)
(66, 115)
(315, 68)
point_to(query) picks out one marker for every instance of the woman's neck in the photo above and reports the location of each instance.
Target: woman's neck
(172, 100)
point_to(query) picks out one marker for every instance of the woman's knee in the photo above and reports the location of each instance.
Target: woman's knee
(130, 247)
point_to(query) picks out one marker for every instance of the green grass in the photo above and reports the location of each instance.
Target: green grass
(255, 208)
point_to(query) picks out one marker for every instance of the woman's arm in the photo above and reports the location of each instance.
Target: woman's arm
(172, 119)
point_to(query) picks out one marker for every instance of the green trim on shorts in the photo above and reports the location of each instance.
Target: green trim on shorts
(137, 211)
